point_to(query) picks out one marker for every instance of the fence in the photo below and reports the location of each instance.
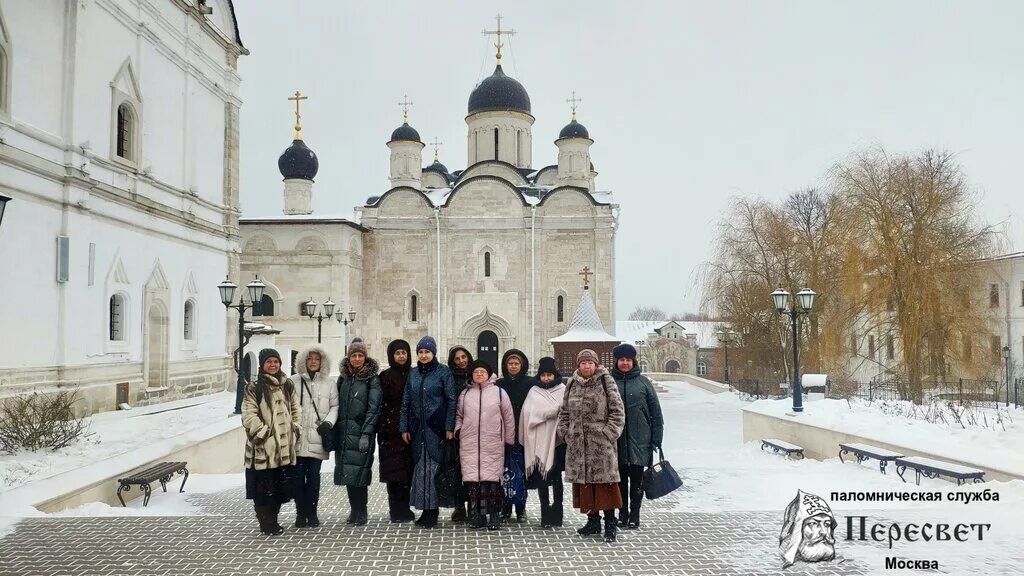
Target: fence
(755, 390)
(962, 392)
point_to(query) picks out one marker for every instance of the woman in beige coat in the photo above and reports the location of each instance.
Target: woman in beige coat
(271, 416)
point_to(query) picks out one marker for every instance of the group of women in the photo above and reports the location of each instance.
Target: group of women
(598, 427)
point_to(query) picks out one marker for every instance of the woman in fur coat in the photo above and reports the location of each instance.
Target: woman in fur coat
(318, 397)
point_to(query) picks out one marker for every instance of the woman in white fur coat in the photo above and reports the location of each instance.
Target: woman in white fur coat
(318, 396)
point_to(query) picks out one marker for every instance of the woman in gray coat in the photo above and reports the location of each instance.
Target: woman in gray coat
(318, 397)
(358, 410)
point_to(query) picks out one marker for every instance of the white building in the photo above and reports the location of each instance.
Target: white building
(119, 147)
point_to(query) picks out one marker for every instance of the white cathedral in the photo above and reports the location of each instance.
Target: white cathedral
(488, 257)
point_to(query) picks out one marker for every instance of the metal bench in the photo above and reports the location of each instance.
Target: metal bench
(930, 468)
(866, 451)
(778, 446)
(161, 472)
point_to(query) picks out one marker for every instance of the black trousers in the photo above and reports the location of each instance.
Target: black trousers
(554, 498)
(307, 483)
(358, 496)
(398, 499)
(631, 486)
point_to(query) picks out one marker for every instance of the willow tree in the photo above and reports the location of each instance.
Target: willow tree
(910, 268)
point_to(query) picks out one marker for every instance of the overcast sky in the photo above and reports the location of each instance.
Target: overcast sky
(689, 103)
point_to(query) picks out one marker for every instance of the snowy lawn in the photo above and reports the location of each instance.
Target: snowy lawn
(115, 433)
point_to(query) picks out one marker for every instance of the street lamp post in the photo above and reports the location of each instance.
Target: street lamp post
(1006, 363)
(310, 308)
(725, 337)
(802, 304)
(227, 295)
(346, 319)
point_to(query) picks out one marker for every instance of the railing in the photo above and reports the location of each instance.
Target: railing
(754, 390)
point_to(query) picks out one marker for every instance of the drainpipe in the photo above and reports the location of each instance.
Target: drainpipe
(437, 219)
(533, 282)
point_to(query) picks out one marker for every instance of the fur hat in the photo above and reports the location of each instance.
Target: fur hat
(359, 347)
(428, 343)
(624, 351)
(268, 353)
(587, 354)
(481, 364)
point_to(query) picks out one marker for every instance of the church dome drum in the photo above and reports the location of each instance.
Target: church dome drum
(574, 130)
(298, 162)
(405, 132)
(499, 92)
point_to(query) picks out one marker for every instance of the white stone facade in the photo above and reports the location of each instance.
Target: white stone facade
(120, 151)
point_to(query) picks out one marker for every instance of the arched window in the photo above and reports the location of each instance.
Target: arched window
(495, 143)
(116, 318)
(560, 308)
(487, 264)
(702, 369)
(265, 307)
(189, 320)
(125, 132)
(413, 307)
(519, 147)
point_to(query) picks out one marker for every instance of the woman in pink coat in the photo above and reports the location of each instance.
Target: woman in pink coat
(485, 424)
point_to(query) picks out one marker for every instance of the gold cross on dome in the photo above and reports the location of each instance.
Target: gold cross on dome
(436, 143)
(586, 273)
(405, 104)
(573, 102)
(298, 117)
(498, 34)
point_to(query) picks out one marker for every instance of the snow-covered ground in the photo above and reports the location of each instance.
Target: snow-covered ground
(999, 446)
(115, 433)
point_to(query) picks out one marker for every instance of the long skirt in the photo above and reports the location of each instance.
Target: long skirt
(485, 497)
(269, 487)
(596, 497)
(424, 489)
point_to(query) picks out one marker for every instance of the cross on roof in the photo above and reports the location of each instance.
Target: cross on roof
(498, 33)
(405, 108)
(572, 102)
(298, 117)
(586, 273)
(436, 143)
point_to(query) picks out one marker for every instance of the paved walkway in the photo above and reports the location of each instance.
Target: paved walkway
(226, 541)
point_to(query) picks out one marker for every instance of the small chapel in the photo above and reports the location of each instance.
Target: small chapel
(489, 256)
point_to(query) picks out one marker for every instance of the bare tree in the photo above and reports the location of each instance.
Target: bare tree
(647, 313)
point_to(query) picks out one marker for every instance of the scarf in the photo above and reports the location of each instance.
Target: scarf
(537, 425)
(428, 367)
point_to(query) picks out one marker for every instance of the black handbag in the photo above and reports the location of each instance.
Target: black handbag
(328, 439)
(661, 478)
(448, 478)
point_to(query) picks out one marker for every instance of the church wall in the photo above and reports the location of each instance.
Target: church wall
(38, 57)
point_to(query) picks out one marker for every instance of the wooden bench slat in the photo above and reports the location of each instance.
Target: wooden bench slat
(938, 465)
(874, 451)
(781, 444)
(157, 473)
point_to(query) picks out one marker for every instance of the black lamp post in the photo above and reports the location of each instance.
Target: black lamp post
(227, 294)
(310, 308)
(1006, 362)
(3, 205)
(345, 320)
(725, 337)
(801, 305)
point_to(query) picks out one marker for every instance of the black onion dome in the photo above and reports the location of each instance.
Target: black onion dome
(298, 161)
(499, 92)
(574, 130)
(405, 132)
(436, 167)
(372, 200)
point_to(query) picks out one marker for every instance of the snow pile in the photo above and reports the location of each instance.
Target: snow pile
(999, 448)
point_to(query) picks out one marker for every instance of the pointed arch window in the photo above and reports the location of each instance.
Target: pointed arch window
(125, 132)
(487, 264)
(189, 320)
(560, 308)
(116, 318)
(413, 307)
(495, 143)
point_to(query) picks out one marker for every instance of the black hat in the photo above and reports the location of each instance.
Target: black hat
(481, 364)
(546, 365)
(624, 351)
(268, 353)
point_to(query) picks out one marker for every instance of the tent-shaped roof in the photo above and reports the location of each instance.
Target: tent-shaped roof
(586, 325)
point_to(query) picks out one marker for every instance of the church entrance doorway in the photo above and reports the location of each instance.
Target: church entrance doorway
(487, 349)
(156, 346)
(672, 367)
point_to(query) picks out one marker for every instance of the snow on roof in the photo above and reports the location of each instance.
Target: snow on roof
(586, 325)
(631, 331)
(437, 196)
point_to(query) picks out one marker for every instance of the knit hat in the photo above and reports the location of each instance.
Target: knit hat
(587, 354)
(428, 343)
(268, 353)
(624, 351)
(357, 346)
(481, 364)
(547, 366)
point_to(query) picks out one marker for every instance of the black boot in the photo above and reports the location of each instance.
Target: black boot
(494, 523)
(521, 513)
(592, 527)
(428, 519)
(557, 515)
(301, 514)
(506, 510)
(634, 514)
(261, 517)
(274, 527)
(545, 516)
(311, 519)
(351, 519)
(623, 517)
(459, 514)
(610, 526)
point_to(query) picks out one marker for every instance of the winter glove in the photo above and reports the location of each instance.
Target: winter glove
(323, 428)
(364, 442)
